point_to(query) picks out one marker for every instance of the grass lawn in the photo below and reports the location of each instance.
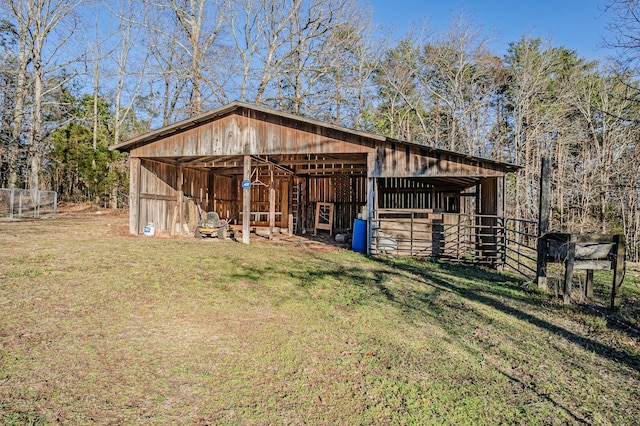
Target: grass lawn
(100, 327)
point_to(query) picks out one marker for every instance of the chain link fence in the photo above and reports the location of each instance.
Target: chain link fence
(26, 203)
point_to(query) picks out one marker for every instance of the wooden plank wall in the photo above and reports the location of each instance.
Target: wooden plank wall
(397, 193)
(347, 193)
(400, 160)
(158, 195)
(196, 185)
(238, 135)
(224, 196)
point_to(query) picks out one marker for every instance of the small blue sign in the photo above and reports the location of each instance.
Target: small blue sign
(246, 184)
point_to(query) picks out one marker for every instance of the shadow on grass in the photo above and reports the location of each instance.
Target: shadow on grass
(474, 284)
(480, 295)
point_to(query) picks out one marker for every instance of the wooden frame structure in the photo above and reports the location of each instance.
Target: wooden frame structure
(289, 163)
(585, 252)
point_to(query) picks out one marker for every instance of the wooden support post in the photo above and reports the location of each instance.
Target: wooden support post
(290, 229)
(371, 211)
(373, 168)
(284, 204)
(588, 287)
(272, 202)
(499, 230)
(180, 200)
(543, 223)
(246, 200)
(174, 220)
(618, 271)
(134, 195)
(569, 266)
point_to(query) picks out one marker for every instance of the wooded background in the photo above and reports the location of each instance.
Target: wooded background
(78, 76)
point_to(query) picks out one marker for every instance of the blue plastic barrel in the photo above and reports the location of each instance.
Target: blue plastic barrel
(359, 240)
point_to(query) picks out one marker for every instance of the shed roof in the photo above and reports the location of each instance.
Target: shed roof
(239, 107)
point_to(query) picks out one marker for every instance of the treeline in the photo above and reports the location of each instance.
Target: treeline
(79, 76)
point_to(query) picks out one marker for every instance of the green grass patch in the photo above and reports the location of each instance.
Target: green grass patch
(133, 330)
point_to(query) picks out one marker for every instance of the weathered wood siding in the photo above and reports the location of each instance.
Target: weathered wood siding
(202, 160)
(158, 196)
(239, 135)
(347, 193)
(197, 185)
(159, 193)
(397, 193)
(403, 160)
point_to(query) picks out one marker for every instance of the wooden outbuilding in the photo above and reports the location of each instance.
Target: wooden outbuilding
(266, 170)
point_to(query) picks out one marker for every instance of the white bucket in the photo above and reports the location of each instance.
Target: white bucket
(150, 230)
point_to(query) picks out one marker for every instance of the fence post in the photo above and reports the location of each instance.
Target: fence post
(411, 235)
(11, 203)
(543, 222)
(568, 271)
(618, 272)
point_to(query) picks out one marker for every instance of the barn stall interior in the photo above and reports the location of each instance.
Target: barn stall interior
(272, 172)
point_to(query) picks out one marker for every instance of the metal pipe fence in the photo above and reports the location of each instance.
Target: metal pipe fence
(521, 237)
(468, 238)
(26, 203)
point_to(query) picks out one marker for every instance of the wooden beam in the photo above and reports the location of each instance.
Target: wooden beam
(272, 163)
(272, 201)
(134, 195)
(246, 200)
(180, 197)
(569, 266)
(284, 204)
(319, 170)
(544, 209)
(323, 161)
(371, 199)
(588, 286)
(145, 196)
(501, 242)
(618, 272)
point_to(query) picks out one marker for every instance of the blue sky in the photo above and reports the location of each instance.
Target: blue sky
(575, 24)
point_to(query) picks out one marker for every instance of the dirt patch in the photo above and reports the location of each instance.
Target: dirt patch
(116, 223)
(88, 210)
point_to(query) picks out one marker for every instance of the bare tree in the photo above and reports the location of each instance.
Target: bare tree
(44, 28)
(191, 29)
(624, 30)
(285, 50)
(19, 11)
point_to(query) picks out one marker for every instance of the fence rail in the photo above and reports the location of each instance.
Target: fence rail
(26, 203)
(520, 249)
(457, 237)
(453, 236)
